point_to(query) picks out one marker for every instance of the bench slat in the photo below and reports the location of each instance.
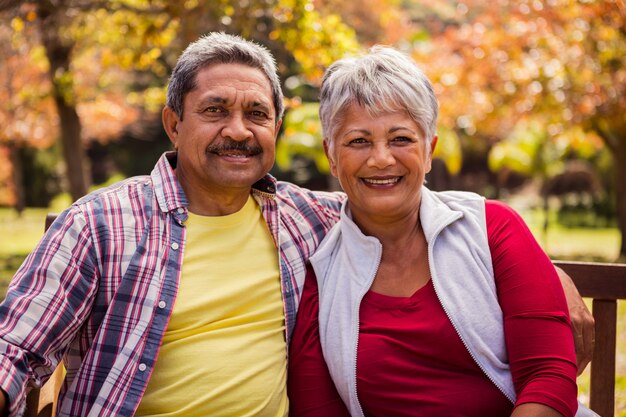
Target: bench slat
(605, 283)
(597, 280)
(602, 393)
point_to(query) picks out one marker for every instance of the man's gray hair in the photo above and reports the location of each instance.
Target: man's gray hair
(220, 48)
(383, 80)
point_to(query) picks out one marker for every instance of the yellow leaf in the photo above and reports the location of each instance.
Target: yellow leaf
(17, 24)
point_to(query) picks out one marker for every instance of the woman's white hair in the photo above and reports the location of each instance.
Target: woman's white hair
(383, 80)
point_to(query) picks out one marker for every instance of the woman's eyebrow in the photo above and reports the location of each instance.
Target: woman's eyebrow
(358, 130)
(398, 128)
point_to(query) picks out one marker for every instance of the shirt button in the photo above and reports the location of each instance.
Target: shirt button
(142, 367)
(175, 246)
(162, 304)
(180, 210)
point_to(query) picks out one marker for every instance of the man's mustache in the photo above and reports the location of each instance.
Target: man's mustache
(230, 146)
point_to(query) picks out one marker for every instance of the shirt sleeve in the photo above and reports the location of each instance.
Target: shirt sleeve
(537, 328)
(45, 305)
(311, 390)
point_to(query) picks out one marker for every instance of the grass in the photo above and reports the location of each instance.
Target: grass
(580, 244)
(20, 234)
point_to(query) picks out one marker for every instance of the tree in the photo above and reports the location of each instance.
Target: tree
(373, 21)
(52, 16)
(561, 61)
(63, 39)
(26, 114)
(91, 45)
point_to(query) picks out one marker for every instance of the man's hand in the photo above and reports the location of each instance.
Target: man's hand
(3, 404)
(583, 323)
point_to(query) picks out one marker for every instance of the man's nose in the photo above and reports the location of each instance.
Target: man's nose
(236, 127)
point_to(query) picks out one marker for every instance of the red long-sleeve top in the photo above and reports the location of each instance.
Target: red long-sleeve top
(411, 362)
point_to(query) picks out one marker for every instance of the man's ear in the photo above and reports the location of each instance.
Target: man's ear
(331, 159)
(278, 125)
(170, 124)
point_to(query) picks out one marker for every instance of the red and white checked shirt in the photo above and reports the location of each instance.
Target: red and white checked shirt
(97, 292)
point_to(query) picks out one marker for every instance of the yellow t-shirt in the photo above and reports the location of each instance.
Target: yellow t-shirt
(224, 350)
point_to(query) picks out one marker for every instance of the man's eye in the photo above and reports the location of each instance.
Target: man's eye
(258, 113)
(212, 110)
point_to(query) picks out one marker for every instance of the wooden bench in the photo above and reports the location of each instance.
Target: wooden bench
(605, 283)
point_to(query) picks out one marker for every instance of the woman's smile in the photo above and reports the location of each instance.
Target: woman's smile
(378, 181)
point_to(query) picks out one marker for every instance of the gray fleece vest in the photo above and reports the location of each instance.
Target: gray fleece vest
(346, 263)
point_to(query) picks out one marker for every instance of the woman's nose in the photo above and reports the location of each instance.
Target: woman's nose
(381, 156)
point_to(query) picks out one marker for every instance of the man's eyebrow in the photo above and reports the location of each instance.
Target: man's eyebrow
(212, 100)
(258, 103)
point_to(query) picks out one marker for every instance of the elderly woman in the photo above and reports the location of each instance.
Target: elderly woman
(420, 303)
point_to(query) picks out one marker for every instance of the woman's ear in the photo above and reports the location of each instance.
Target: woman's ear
(331, 158)
(429, 157)
(170, 124)
(433, 145)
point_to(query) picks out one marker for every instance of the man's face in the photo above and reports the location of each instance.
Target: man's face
(226, 140)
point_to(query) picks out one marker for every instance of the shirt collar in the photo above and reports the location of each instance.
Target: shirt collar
(168, 191)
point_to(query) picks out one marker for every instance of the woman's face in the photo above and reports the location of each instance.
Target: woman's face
(381, 162)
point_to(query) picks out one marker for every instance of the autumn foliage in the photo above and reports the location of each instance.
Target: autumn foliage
(552, 68)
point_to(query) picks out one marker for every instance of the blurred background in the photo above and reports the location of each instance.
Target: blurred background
(532, 96)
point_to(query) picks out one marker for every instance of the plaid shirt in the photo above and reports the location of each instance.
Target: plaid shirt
(99, 288)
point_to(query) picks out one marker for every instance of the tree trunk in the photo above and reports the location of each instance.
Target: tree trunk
(612, 130)
(619, 156)
(58, 52)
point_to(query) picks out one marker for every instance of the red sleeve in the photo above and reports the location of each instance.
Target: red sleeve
(311, 390)
(537, 329)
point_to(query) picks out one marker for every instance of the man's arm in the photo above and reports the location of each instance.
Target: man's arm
(48, 302)
(583, 323)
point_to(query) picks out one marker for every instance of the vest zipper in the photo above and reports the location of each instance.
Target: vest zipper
(454, 325)
(358, 330)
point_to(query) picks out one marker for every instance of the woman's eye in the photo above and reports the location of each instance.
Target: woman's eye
(357, 141)
(402, 139)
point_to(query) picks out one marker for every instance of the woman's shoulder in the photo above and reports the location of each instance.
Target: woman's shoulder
(500, 212)
(456, 196)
